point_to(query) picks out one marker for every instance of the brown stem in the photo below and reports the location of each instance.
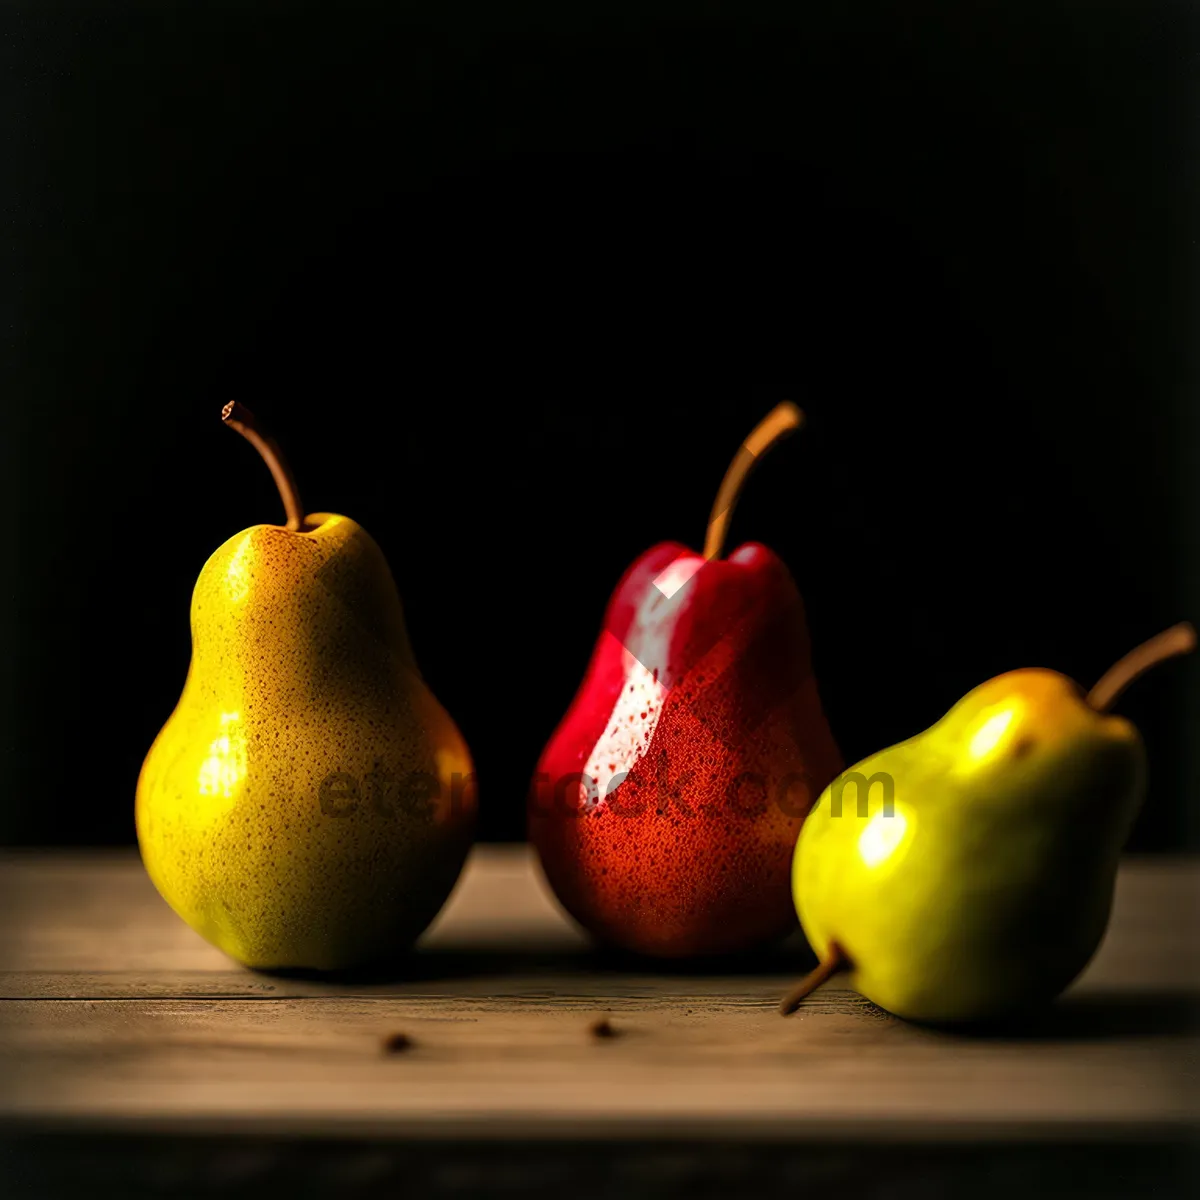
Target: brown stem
(834, 962)
(1179, 639)
(779, 422)
(238, 416)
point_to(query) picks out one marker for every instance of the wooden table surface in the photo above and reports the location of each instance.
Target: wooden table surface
(116, 1018)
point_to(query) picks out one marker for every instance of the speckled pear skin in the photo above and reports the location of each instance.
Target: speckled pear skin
(986, 887)
(688, 852)
(309, 803)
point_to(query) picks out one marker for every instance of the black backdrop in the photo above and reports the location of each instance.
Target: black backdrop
(512, 281)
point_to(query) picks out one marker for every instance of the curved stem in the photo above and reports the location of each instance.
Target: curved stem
(779, 422)
(1179, 639)
(834, 962)
(238, 416)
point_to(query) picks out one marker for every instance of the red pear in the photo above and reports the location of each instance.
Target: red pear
(666, 806)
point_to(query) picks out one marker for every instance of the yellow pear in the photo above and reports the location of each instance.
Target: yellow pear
(309, 803)
(969, 874)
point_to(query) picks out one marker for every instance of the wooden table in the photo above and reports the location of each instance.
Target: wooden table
(132, 1051)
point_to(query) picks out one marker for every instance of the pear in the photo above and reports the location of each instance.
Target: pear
(968, 874)
(309, 803)
(665, 806)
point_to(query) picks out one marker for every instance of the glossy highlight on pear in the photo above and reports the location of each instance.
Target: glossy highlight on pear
(968, 876)
(665, 806)
(308, 802)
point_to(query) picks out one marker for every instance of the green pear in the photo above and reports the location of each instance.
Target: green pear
(968, 873)
(307, 804)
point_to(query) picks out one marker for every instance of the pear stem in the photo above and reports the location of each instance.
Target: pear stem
(834, 962)
(780, 421)
(1179, 639)
(238, 416)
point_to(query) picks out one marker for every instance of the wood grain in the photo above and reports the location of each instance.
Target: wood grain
(114, 1015)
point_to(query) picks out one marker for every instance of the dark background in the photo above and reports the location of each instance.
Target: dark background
(512, 281)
